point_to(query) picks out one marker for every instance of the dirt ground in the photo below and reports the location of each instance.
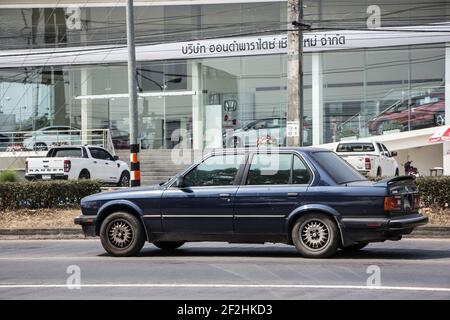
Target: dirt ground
(38, 219)
(51, 218)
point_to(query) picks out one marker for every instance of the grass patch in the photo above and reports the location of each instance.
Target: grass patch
(38, 219)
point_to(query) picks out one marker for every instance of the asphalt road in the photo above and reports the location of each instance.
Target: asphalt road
(408, 269)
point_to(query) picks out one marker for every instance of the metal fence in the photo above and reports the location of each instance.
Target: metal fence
(42, 140)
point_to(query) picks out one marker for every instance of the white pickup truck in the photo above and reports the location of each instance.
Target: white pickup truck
(78, 162)
(370, 158)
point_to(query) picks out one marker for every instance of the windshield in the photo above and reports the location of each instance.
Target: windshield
(337, 168)
(355, 147)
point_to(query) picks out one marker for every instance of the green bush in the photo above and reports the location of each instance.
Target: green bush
(8, 176)
(434, 190)
(45, 194)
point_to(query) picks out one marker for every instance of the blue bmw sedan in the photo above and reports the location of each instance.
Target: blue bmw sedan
(306, 197)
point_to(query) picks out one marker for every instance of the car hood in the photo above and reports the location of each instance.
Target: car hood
(124, 194)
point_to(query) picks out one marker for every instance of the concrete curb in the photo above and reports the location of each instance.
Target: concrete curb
(40, 234)
(428, 231)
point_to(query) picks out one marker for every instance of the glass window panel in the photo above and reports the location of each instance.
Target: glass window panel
(215, 171)
(270, 169)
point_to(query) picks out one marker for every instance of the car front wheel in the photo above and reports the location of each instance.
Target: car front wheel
(122, 234)
(315, 235)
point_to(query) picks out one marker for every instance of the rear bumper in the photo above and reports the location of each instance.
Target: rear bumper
(87, 223)
(53, 177)
(380, 229)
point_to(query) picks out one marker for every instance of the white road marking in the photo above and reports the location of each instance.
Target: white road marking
(223, 285)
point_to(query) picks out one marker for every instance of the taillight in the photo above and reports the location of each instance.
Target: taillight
(392, 203)
(26, 166)
(368, 163)
(67, 165)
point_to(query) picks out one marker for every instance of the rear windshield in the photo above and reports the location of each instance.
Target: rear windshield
(336, 167)
(69, 152)
(355, 147)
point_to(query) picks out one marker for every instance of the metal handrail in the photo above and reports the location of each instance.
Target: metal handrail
(39, 140)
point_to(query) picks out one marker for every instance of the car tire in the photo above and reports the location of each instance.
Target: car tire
(315, 235)
(122, 234)
(168, 245)
(355, 247)
(124, 180)
(397, 173)
(234, 142)
(40, 146)
(439, 119)
(84, 174)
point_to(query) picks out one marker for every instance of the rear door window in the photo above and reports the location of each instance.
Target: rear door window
(270, 169)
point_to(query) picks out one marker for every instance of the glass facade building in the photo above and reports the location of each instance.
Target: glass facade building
(222, 100)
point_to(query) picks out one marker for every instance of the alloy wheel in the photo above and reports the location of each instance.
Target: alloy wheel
(314, 234)
(120, 233)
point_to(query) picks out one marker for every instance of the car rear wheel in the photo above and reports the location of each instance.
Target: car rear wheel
(168, 245)
(439, 119)
(84, 175)
(315, 235)
(355, 247)
(122, 234)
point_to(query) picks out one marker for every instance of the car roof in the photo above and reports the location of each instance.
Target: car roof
(268, 150)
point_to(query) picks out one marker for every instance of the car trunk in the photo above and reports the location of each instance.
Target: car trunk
(403, 193)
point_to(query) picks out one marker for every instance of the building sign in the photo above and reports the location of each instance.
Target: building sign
(292, 128)
(227, 47)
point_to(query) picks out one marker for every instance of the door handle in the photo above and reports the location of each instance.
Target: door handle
(292, 194)
(224, 195)
(95, 161)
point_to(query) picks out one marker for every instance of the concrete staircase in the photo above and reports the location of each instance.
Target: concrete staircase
(158, 165)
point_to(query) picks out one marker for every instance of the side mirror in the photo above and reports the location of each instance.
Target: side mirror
(116, 158)
(394, 153)
(179, 183)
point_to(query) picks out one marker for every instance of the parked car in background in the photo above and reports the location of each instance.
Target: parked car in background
(78, 162)
(306, 197)
(273, 129)
(52, 136)
(369, 158)
(418, 112)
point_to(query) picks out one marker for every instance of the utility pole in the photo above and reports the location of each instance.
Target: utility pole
(132, 99)
(295, 74)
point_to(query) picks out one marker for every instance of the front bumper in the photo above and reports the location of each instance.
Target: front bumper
(87, 223)
(380, 229)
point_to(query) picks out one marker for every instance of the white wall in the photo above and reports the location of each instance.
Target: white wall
(424, 158)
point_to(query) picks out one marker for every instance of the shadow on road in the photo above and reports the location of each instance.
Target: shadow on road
(290, 252)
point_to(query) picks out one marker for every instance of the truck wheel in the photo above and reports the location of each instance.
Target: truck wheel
(122, 234)
(124, 180)
(168, 245)
(84, 174)
(354, 247)
(379, 172)
(315, 235)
